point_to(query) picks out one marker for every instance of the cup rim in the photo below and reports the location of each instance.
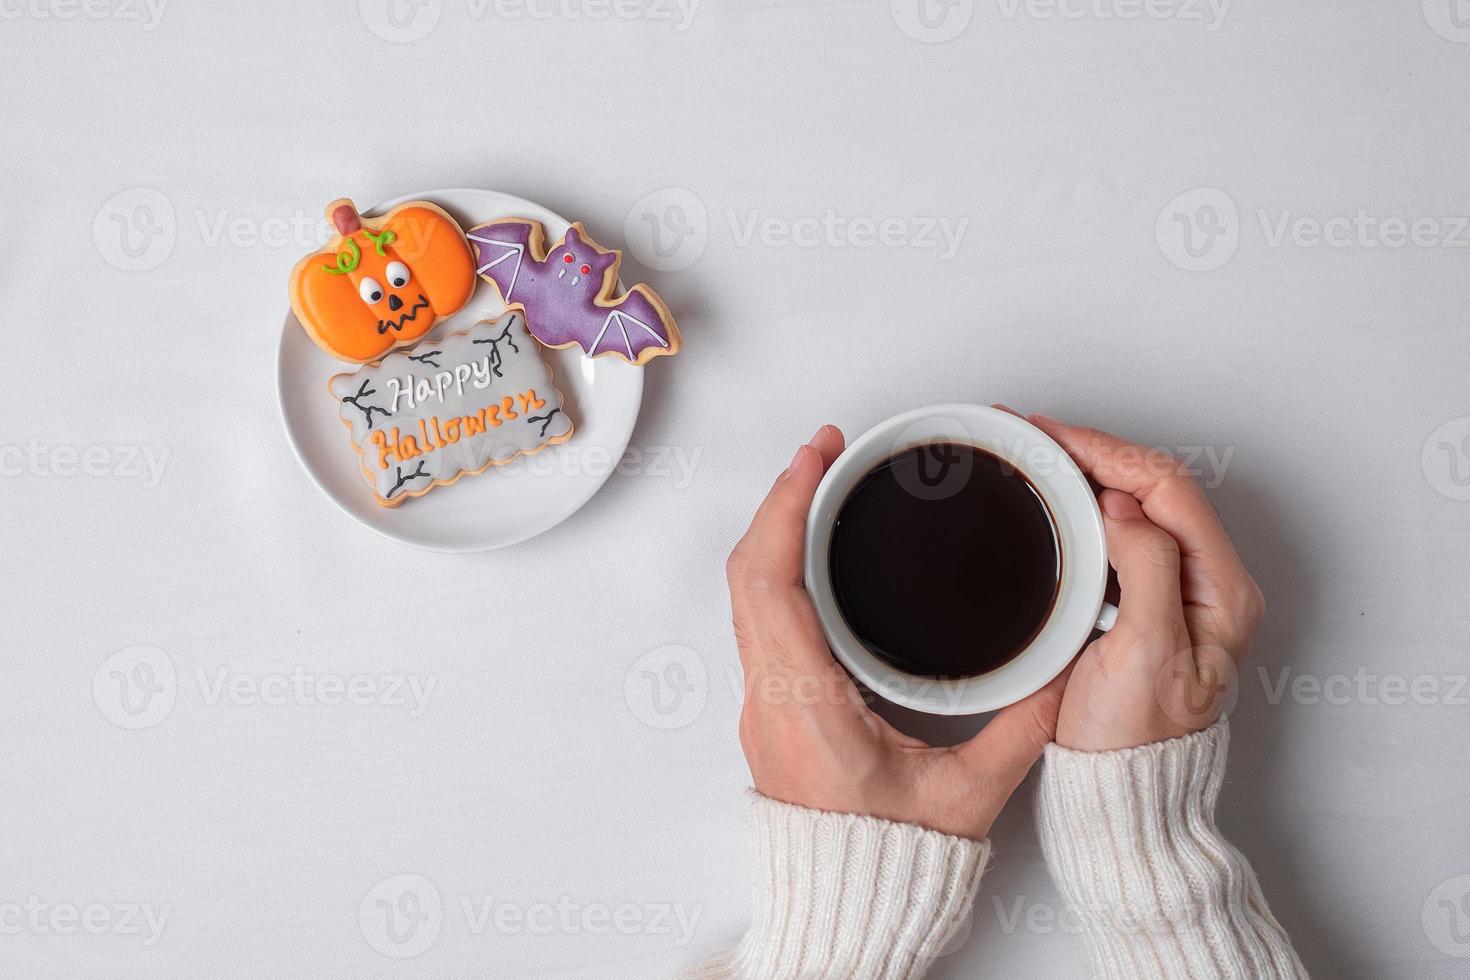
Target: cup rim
(1076, 518)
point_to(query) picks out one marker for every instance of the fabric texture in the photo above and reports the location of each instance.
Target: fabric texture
(1129, 836)
(846, 896)
(1131, 841)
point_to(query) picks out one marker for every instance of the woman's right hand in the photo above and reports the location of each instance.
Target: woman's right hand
(1187, 610)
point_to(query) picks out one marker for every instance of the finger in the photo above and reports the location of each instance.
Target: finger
(777, 535)
(1008, 410)
(828, 443)
(1006, 748)
(1170, 498)
(774, 618)
(1146, 559)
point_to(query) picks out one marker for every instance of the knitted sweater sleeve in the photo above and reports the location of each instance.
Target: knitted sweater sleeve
(1130, 838)
(841, 895)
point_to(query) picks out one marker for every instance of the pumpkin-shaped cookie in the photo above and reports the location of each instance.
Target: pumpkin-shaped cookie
(382, 282)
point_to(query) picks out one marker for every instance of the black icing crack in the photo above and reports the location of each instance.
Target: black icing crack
(496, 358)
(427, 358)
(545, 420)
(402, 479)
(367, 411)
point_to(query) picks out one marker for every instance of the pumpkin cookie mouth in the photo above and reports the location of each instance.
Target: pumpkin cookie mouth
(385, 325)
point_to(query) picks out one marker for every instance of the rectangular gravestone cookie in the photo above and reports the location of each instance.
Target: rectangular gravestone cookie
(424, 417)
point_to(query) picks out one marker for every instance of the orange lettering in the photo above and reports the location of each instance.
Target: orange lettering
(380, 440)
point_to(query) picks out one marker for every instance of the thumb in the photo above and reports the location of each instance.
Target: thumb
(1146, 559)
(1008, 746)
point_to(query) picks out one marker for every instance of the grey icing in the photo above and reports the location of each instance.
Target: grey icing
(476, 372)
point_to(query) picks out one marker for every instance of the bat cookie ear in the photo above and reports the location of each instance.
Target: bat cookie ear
(576, 234)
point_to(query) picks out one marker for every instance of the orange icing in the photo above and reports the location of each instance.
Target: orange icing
(329, 302)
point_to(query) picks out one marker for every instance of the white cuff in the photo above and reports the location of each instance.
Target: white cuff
(1131, 840)
(840, 895)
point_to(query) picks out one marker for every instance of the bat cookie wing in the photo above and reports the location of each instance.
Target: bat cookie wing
(633, 326)
(502, 250)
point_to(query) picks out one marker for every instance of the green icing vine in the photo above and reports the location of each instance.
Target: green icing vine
(381, 240)
(348, 260)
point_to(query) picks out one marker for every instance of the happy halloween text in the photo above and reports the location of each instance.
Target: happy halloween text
(434, 433)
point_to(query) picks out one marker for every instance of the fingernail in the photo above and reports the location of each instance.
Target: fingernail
(1115, 506)
(1005, 408)
(818, 434)
(796, 460)
(1046, 419)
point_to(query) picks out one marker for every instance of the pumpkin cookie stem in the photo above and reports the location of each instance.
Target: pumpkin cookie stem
(344, 217)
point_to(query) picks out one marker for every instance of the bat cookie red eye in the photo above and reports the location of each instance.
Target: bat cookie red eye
(586, 270)
(567, 258)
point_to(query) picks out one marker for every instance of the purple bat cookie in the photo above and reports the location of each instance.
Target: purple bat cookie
(569, 293)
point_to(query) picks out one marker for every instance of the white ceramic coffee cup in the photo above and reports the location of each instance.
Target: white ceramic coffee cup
(1079, 608)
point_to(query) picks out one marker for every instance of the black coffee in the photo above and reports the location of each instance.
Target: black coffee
(944, 561)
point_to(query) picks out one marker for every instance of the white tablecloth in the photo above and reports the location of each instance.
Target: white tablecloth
(335, 756)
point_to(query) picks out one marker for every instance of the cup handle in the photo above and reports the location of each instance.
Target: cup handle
(1106, 617)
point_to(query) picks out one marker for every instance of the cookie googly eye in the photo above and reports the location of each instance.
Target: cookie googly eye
(567, 258)
(586, 270)
(370, 290)
(397, 275)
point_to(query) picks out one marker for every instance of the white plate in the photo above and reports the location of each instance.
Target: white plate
(505, 504)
